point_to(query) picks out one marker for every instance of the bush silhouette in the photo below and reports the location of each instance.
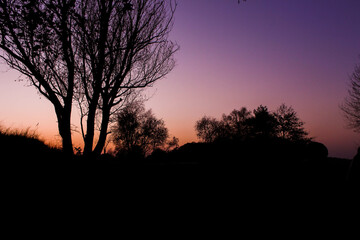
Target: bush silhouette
(316, 150)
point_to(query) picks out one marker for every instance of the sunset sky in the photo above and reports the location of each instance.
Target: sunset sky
(269, 52)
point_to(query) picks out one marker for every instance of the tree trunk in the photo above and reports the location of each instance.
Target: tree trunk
(103, 132)
(89, 136)
(64, 127)
(66, 141)
(90, 129)
(98, 76)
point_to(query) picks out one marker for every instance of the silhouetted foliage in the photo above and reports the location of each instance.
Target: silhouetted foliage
(236, 124)
(232, 126)
(208, 129)
(241, 124)
(95, 52)
(263, 124)
(138, 132)
(351, 106)
(289, 125)
(172, 144)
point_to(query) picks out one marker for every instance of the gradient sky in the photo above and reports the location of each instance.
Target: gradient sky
(267, 52)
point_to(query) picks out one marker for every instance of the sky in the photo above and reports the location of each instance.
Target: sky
(231, 55)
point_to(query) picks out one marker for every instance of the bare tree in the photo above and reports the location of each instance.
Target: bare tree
(125, 47)
(351, 106)
(97, 52)
(36, 39)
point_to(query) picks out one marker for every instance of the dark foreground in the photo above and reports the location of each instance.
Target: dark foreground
(228, 169)
(182, 189)
(246, 175)
(263, 165)
(208, 188)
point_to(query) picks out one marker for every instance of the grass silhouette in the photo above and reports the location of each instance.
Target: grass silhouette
(24, 145)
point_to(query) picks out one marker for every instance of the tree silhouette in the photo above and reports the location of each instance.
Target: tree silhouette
(236, 123)
(97, 52)
(263, 124)
(125, 47)
(172, 144)
(137, 130)
(290, 127)
(241, 125)
(36, 40)
(209, 129)
(351, 106)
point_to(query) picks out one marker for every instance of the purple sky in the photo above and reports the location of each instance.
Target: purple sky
(297, 52)
(263, 52)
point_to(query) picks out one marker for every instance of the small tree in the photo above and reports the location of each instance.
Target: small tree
(209, 129)
(351, 106)
(289, 126)
(263, 123)
(236, 123)
(137, 130)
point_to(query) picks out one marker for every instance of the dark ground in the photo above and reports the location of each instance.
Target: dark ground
(274, 165)
(213, 189)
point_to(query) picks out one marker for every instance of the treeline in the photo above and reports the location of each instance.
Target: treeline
(261, 145)
(137, 132)
(244, 136)
(260, 123)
